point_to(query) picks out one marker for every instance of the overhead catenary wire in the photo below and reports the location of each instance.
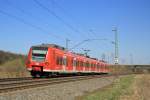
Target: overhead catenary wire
(92, 32)
(29, 24)
(25, 12)
(69, 16)
(58, 17)
(89, 34)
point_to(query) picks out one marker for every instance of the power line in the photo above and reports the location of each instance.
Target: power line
(62, 9)
(18, 8)
(65, 12)
(89, 34)
(91, 31)
(27, 23)
(23, 11)
(69, 15)
(55, 15)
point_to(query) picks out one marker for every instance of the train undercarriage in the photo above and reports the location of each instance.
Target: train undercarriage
(38, 74)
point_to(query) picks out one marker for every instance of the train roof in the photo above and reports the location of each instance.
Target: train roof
(50, 45)
(62, 48)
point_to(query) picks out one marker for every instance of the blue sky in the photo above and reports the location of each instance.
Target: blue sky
(24, 23)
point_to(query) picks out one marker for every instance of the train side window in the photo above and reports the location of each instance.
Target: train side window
(78, 63)
(57, 60)
(74, 63)
(60, 61)
(96, 65)
(87, 64)
(84, 64)
(71, 62)
(65, 61)
(90, 64)
(81, 63)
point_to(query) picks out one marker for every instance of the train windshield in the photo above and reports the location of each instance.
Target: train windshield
(39, 53)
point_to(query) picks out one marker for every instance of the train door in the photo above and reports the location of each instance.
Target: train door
(64, 62)
(84, 64)
(74, 64)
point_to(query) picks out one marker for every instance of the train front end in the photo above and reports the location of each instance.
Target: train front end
(38, 61)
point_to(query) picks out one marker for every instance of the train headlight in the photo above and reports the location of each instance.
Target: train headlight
(46, 63)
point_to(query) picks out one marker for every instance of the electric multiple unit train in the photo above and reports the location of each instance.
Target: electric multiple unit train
(49, 59)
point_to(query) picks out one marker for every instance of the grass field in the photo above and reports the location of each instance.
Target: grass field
(12, 65)
(140, 88)
(13, 68)
(131, 87)
(121, 86)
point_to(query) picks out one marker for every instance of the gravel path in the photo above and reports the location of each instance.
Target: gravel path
(64, 91)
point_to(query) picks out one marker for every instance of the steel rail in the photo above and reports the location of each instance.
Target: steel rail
(20, 85)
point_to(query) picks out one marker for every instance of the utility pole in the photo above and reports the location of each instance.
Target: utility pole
(67, 44)
(116, 59)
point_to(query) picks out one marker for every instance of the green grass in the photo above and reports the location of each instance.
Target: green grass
(119, 88)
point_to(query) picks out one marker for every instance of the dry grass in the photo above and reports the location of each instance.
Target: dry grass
(128, 88)
(121, 86)
(120, 69)
(141, 88)
(13, 68)
(13, 65)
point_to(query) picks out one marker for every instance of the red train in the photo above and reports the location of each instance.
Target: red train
(48, 59)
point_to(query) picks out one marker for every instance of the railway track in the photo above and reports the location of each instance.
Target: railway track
(14, 79)
(23, 83)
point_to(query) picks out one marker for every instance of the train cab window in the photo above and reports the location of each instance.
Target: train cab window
(39, 53)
